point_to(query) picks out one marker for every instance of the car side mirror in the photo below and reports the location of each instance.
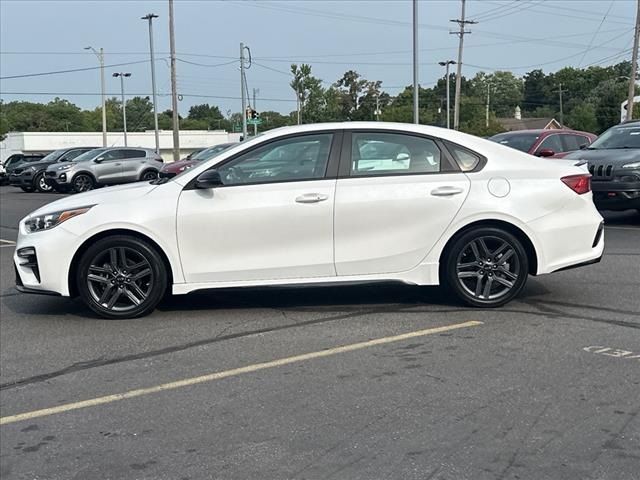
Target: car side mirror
(209, 179)
(583, 146)
(98, 160)
(546, 152)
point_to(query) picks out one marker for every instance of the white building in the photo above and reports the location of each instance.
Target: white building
(43, 142)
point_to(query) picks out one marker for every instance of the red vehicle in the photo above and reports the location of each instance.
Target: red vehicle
(172, 169)
(545, 143)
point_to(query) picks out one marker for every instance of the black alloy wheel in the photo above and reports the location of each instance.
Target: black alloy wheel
(41, 184)
(487, 267)
(121, 277)
(149, 175)
(83, 183)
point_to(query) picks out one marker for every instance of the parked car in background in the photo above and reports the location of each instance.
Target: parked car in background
(173, 169)
(30, 177)
(614, 163)
(104, 166)
(545, 143)
(4, 179)
(17, 158)
(456, 209)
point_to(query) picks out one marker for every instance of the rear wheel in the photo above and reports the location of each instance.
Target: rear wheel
(121, 277)
(486, 267)
(82, 183)
(149, 175)
(41, 184)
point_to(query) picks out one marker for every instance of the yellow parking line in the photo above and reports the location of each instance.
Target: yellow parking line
(229, 373)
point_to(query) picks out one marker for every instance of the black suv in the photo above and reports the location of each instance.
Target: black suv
(30, 176)
(614, 163)
(17, 158)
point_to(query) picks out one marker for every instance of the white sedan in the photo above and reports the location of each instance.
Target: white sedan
(319, 204)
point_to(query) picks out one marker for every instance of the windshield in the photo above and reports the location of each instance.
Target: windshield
(621, 136)
(89, 155)
(519, 141)
(210, 152)
(53, 156)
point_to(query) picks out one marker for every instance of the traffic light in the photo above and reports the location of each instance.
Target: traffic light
(254, 115)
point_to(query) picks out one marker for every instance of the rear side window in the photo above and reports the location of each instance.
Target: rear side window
(131, 153)
(466, 159)
(375, 154)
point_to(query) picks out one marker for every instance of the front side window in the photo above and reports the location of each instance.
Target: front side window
(618, 137)
(297, 158)
(90, 155)
(392, 154)
(553, 142)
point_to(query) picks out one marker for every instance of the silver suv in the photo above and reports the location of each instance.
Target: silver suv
(104, 166)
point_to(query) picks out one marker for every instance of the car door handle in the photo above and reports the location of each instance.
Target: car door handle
(117, 164)
(446, 191)
(312, 198)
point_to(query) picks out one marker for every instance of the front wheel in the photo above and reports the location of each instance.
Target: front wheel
(486, 267)
(82, 183)
(41, 184)
(121, 277)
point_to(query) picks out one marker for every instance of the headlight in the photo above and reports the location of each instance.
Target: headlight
(632, 165)
(182, 169)
(50, 220)
(65, 167)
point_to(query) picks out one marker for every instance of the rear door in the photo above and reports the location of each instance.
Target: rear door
(391, 211)
(132, 164)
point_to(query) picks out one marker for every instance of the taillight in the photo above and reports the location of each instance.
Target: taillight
(578, 183)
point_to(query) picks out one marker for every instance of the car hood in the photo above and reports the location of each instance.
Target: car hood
(613, 156)
(55, 165)
(175, 166)
(116, 194)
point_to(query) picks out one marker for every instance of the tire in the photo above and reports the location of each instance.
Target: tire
(486, 267)
(148, 175)
(40, 184)
(82, 183)
(121, 277)
(27, 189)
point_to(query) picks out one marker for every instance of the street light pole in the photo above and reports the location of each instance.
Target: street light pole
(634, 64)
(255, 125)
(100, 55)
(174, 87)
(124, 105)
(150, 17)
(416, 103)
(446, 65)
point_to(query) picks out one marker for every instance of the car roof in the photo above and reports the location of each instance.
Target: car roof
(541, 131)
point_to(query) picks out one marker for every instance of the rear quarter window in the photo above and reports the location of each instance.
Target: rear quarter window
(466, 159)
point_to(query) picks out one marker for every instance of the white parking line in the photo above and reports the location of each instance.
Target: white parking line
(635, 229)
(93, 402)
(6, 243)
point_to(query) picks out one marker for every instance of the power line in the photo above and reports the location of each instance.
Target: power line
(73, 70)
(207, 64)
(595, 34)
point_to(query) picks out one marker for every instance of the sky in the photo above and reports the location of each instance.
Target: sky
(373, 37)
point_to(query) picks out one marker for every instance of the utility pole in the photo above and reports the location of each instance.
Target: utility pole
(561, 107)
(486, 121)
(100, 55)
(416, 88)
(124, 105)
(298, 106)
(461, 33)
(378, 108)
(150, 17)
(634, 64)
(255, 125)
(174, 87)
(446, 65)
(244, 98)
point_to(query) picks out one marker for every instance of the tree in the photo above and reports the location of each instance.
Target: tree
(309, 92)
(139, 114)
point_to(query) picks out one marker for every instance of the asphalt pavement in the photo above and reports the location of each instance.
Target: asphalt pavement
(367, 382)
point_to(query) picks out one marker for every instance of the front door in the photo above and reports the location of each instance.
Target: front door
(272, 218)
(395, 198)
(108, 169)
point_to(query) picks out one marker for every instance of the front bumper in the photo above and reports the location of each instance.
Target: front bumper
(615, 195)
(53, 253)
(24, 179)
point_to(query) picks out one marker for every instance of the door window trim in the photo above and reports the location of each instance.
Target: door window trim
(447, 163)
(331, 171)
